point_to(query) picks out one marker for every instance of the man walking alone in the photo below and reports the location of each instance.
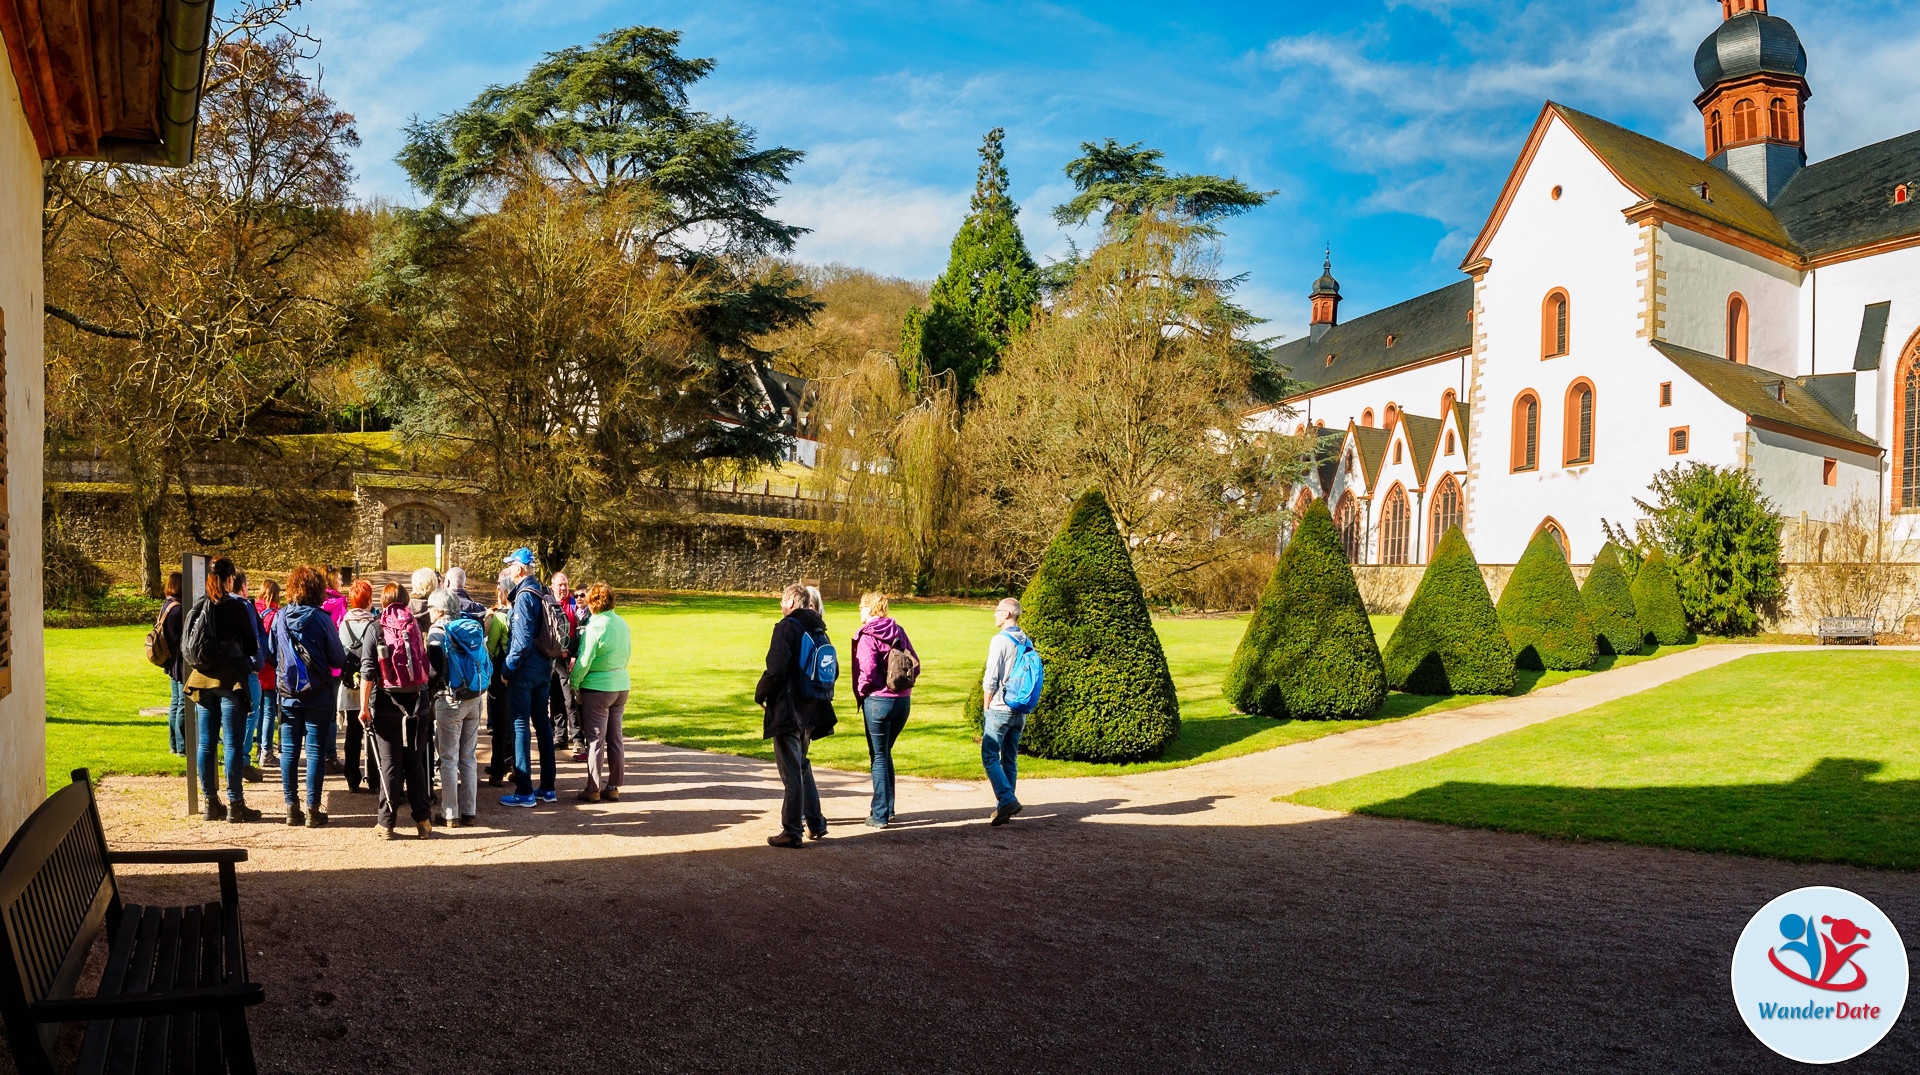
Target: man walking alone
(795, 716)
(1002, 724)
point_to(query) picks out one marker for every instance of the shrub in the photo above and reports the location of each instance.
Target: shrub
(1108, 696)
(1450, 640)
(1541, 610)
(1657, 599)
(1608, 596)
(69, 578)
(1722, 540)
(1309, 651)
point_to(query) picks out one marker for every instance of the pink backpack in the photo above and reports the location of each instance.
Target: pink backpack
(403, 652)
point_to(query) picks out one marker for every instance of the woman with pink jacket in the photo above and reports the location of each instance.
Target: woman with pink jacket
(884, 670)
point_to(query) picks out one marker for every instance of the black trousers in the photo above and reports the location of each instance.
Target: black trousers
(359, 767)
(499, 732)
(398, 746)
(568, 727)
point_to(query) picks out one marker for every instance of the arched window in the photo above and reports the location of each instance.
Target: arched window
(1554, 317)
(1394, 524)
(1746, 121)
(1449, 442)
(1526, 432)
(1447, 512)
(1780, 120)
(1396, 451)
(1737, 329)
(1348, 516)
(1301, 505)
(1579, 424)
(1716, 133)
(1553, 527)
(1366, 418)
(1907, 422)
(1391, 417)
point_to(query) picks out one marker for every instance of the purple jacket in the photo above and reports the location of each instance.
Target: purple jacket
(870, 645)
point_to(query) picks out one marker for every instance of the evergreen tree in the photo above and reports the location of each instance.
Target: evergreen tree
(987, 294)
(1450, 640)
(1309, 651)
(1109, 696)
(1608, 596)
(1545, 620)
(1656, 597)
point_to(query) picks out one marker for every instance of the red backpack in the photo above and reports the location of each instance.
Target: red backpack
(403, 652)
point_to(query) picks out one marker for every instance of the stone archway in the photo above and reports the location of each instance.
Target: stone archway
(415, 528)
(387, 516)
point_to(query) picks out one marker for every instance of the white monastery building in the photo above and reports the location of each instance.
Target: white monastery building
(1630, 306)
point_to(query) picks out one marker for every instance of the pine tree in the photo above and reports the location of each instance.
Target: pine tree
(1309, 651)
(1109, 696)
(1656, 596)
(1545, 620)
(990, 287)
(1450, 640)
(1608, 597)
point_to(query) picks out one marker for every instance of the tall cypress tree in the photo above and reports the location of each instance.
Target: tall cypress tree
(989, 289)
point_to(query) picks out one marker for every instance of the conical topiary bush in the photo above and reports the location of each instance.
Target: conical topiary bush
(1309, 652)
(1108, 695)
(1656, 597)
(1608, 597)
(1545, 620)
(1450, 640)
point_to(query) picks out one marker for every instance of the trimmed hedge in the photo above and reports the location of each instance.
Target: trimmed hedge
(1608, 596)
(1450, 640)
(1109, 696)
(1656, 596)
(1545, 620)
(1309, 651)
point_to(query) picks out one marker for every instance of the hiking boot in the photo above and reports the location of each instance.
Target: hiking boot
(1014, 809)
(784, 840)
(450, 822)
(381, 832)
(424, 828)
(468, 821)
(271, 761)
(333, 767)
(240, 812)
(579, 755)
(589, 795)
(317, 819)
(820, 835)
(252, 775)
(295, 818)
(610, 795)
(1001, 815)
(496, 781)
(215, 810)
(360, 789)
(876, 823)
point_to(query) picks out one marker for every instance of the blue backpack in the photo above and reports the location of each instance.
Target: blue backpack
(469, 666)
(296, 681)
(819, 667)
(1024, 682)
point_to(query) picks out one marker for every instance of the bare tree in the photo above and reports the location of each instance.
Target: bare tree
(1850, 564)
(187, 304)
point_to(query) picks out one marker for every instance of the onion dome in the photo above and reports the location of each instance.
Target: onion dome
(1749, 44)
(1327, 285)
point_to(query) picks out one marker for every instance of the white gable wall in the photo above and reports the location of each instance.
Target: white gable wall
(1703, 273)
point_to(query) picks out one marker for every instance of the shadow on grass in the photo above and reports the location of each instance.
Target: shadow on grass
(1832, 813)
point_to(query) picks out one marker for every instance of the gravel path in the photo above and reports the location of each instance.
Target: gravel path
(1178, 921)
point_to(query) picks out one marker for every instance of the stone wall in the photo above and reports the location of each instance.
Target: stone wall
(1387, 589)
(103, 525)
(711, 552)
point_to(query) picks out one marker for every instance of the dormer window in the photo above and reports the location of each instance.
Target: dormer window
(1705, 190)
(1330, 359)
(1390, 338)
(1901, 194)
(1780, 392)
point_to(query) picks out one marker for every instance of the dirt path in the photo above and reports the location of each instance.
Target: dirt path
(1176, 921)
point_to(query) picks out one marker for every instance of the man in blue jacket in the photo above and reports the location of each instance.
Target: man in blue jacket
(529, 673)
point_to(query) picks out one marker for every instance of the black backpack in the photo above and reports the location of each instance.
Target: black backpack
(553, 637)
(201, 647)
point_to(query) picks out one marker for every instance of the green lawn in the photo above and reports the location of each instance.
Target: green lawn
(1805, 756)
(696, 659)
(409, 557)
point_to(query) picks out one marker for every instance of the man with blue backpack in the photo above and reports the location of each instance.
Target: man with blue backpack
(462, 671)
(538, 633)
(796, 691)
(1011, 687)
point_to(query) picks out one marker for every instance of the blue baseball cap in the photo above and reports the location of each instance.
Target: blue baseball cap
(519, 556)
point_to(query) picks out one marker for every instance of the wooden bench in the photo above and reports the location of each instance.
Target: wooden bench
(1845, 627)
(175, 991)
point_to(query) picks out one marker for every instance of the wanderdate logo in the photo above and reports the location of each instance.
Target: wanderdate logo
(1820, 975)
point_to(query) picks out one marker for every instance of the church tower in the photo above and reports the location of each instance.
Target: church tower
(1753, 72)
(1326, 301)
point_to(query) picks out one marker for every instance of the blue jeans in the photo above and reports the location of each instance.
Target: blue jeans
(1000, 752)
(177, 719)
(231, 725)
(885, 718)
(266, 718)
(311, 733)
(251, 721)
(527, 701)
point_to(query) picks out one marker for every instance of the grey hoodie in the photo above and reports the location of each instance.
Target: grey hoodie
(1000, 654)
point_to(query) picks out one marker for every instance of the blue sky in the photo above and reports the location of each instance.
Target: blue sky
(1386, 126)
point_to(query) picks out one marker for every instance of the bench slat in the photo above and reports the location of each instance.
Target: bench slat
(126, 1032)
(99, 1033)
(151, 1042)
(212, 933)
(180, 1039)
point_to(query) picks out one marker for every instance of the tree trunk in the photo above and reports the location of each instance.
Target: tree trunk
(147, 513)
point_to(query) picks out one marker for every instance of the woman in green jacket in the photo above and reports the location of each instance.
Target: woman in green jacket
(600, 679)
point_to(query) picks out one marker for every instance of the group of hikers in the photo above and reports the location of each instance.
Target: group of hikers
(543, 667)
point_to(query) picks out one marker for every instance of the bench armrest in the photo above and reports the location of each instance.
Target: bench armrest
(157, 1002)
(177, 857)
